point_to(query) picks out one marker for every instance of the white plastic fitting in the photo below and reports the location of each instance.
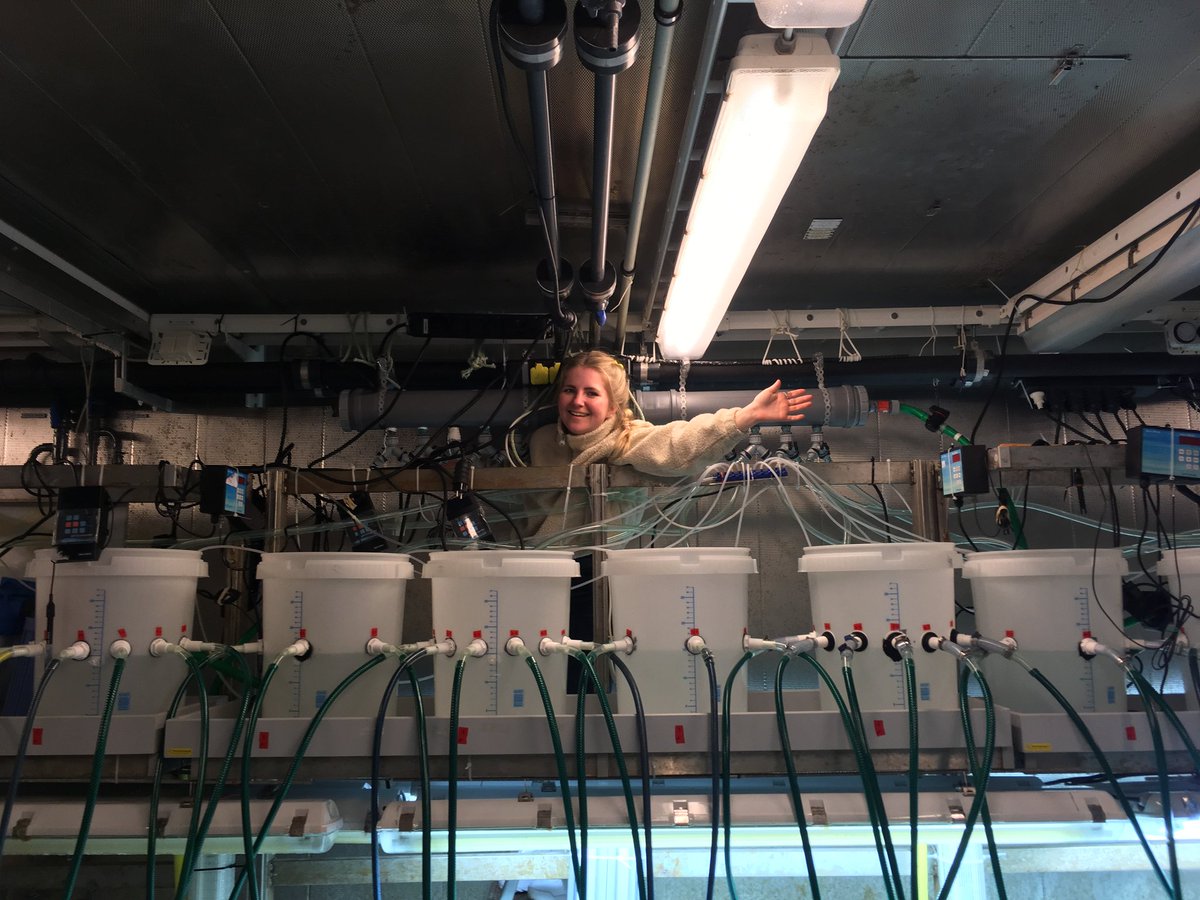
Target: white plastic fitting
(1090, 647)
(937, 642)
(209, 647)
(375, 647)
(583, 646)
(514, 646)
(161, 647)
(120, 649)
(477, 648)
(444, 647)
(22, 650)
(903, 644)
(1005, 646)
(77, 650)
(298, 647)
(754, 645)
(695, 645)
(624, 645)
(852, 643)
(548, 645)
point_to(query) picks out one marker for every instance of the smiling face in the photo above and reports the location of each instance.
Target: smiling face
(583, 401)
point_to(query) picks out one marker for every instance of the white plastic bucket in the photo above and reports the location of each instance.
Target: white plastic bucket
(499, 594)
(877, 589)
(1048, 600)
(138, 594)
(338, 602)
(662, 597)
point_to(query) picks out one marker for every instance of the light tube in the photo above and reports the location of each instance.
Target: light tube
(772, 107)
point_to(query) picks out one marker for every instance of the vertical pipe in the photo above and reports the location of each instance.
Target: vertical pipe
(276, 509)
(539, 112)
(928, 504)
(605, 109)
(664, 35)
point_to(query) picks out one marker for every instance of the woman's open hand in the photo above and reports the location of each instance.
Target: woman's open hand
(774, 404)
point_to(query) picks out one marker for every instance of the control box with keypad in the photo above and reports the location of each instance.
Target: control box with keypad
(1163, 454)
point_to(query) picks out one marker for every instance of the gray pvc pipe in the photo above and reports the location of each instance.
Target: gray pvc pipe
(848, 407)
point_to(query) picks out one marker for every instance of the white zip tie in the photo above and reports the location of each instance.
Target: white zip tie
(567, 495)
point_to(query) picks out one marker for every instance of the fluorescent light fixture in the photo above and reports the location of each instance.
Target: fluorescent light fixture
(772, 107)
(809, 13)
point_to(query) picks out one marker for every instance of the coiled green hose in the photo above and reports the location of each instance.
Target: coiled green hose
(793, 787)
(89, 806)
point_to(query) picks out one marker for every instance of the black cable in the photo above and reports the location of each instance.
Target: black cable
(714, 740)
(1016, 304)
(14, 778)
(507, 518)
(383, 415)
(28, 532)
(639, 712)
(958, 505)
(883, 503)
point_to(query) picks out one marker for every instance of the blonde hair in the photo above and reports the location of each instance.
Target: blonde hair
(615, 380)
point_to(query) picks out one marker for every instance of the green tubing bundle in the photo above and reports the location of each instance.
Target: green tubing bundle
(1164, 782)
(866, 769)
(286, 785)
(248, 874)
(14, 780)
(793, 787)
(980, 772)
(891, 869)
(560, 761)
(385, 701)
(726, 802)
(714, 746)
(195, 833)
(1087, 736)
(630, 808)
(89, 806)
(644, 761)
(581, 782)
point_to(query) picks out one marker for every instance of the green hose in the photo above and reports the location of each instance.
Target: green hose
(226, 764)
(870, 785)
(914, 766)
(89, 806)
(194, 837)
(286, 785)
(581, 782)
(249, 876)
(1173, 720)
(560, 761)
(793, 787)
(1164, 784)
(949, 432)
(622, 769)
(726, 801)
(426, 789)
(870, 777)
(1086, 734)
(452, 781)
(980, 772)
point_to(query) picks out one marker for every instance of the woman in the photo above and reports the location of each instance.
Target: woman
(595, 423)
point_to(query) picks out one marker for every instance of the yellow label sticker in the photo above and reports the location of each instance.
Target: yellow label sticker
(1038, 748)
(177, 751)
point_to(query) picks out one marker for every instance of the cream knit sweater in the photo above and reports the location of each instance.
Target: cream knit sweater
(673, 449)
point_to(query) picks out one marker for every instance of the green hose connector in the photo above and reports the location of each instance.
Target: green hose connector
(89, 806)
(785, 741)
(960, 439)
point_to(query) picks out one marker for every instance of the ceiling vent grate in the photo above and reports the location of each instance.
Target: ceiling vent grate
(821, 229)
